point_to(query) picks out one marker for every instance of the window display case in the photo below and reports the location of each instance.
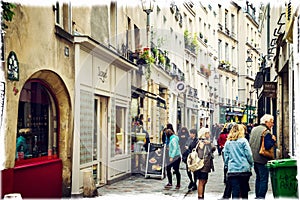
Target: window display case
(36, 129)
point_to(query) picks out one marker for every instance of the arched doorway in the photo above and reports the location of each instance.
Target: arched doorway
(45, 121)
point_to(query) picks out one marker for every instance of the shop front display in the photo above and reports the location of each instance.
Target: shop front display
(36, 136)
(36, 144)
(138, 154)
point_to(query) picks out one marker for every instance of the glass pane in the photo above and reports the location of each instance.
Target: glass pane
(95, 129)
(120, 130)
(36, 119)
(86, 126)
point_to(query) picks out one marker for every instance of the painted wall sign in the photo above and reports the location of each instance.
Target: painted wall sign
(102, 74)
(12, 67)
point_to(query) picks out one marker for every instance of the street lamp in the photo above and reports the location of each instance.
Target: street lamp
(249, 61)
(148, 8)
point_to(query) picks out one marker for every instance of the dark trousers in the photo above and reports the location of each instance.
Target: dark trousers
(240, 186)
(227, 190)
(261, 182)
(175, 165)
(190, 175)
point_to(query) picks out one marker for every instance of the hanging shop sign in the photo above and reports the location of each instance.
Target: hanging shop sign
(12, 67)
(155, 160)
(270, 89)
(180, 87)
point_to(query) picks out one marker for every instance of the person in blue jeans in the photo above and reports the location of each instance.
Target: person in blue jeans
(262, 172)
(239, 162)
(174, 158)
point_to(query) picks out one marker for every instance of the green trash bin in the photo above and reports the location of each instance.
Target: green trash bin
(283, 174)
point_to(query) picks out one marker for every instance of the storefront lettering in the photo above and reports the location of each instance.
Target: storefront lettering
(102, 74)
(2, 96)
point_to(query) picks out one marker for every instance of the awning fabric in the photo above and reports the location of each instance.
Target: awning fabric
(138, 92)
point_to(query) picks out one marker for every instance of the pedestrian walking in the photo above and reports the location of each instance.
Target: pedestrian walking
(183, 135)
(221, 140)
(238, 161)
(174, 158)
(227, 189)
(190, 144)
(262, 172)
(205, 150)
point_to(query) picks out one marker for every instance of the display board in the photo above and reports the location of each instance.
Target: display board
(155, 163)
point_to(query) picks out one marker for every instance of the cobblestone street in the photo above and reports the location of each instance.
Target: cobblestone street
(137, 187)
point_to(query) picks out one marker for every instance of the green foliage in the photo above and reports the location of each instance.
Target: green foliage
(148, 58)
(7, 14)
(161, 58)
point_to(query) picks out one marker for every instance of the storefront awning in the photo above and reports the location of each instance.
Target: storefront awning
(138, 92)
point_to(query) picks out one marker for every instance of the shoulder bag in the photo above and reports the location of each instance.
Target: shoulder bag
(263, 151)
(193, 161)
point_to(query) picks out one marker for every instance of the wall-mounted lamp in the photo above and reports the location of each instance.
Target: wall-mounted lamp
(249, 62)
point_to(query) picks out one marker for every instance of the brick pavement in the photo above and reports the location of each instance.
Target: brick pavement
(137, 187)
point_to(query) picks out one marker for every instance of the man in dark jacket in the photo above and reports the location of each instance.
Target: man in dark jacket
(190, 144)
(262, 172)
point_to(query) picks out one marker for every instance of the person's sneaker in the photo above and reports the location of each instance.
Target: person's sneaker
(168, 186)
(177, 186)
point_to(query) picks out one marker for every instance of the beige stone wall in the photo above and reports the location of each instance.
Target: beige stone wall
(31, 35)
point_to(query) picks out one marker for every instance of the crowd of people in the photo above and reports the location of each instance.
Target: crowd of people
(238, 145)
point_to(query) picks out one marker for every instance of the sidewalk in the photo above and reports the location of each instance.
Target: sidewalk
(137, 187)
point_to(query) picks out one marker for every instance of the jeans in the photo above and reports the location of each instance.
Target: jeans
(261, 182)
(240, 186)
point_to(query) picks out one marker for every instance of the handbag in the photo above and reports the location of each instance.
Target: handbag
(194, 163)
(263, 151)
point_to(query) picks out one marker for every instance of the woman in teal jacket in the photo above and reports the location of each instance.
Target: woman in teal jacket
(239, 162)
(174, 158)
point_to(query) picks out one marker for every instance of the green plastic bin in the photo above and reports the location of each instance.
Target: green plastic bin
(283, 174)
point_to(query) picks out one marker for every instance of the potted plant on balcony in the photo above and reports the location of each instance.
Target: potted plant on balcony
(194, 43)
(154, 52)
(147, 57)
(186, 37)
(161, 59)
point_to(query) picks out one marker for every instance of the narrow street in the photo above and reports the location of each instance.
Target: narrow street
(137, 187)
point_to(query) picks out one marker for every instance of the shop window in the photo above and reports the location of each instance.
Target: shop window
(120, 130)
(37, 123)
